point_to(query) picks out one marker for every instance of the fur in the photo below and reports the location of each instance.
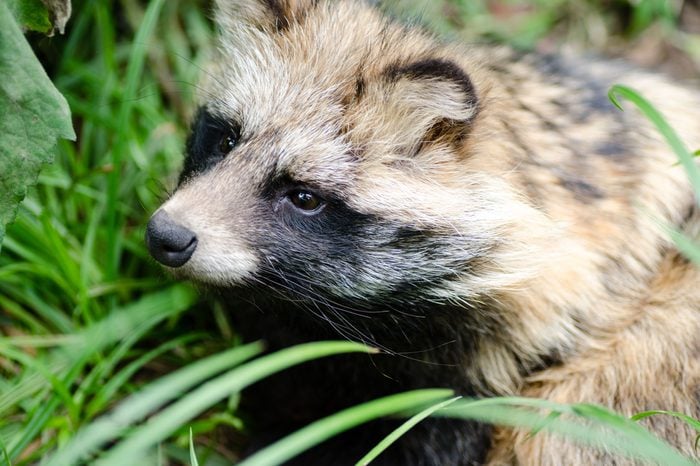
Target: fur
(489, 220)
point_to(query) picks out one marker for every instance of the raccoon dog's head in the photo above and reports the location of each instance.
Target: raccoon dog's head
(330, 159)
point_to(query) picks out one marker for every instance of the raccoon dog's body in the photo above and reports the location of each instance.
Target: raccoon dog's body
(488, 219)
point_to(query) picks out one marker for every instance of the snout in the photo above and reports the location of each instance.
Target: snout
(168, 242)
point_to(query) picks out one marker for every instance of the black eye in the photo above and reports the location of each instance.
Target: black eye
(305, 200)
(227, 143)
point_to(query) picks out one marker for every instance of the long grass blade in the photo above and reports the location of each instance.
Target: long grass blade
(401, 430)
(110, 389)
(588, 424)
(150, 398)
(685, 245)
(321, 430)
(193, 454)
(133, 75)
(162, 425)
(685, 157)
(694, 423)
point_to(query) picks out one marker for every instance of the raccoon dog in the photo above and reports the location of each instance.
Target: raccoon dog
(488, 219)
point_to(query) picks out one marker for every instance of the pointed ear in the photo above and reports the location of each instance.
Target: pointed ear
(435, 86)
(434, 98)
(267, 15)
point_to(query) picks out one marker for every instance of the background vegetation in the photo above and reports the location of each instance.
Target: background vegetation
(90, 325)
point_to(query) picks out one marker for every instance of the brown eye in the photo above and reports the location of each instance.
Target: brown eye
(305, 200)
(227, 143)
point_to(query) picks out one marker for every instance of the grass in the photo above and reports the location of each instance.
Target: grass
(73, 267)
(96, 340)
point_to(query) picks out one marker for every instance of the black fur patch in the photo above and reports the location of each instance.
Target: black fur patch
(203, 144)
(279, 14)
(283, 14)
(359, 88)
(554, 358)
(409, 235)
(612, 148)
(278, 182)
(308, 249)
(437, 346)
(325, 254)
(434, 68)
(692, 211)
(449, 130)
(328, 242)
(582, 189)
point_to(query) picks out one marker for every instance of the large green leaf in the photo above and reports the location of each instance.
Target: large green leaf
(31, 15)
(33, 116)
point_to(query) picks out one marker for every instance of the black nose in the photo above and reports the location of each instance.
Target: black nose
(169, 243)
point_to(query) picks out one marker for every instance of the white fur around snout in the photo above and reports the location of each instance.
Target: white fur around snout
(222, 257)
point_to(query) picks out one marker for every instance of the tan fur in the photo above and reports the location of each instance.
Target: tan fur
(578, 259)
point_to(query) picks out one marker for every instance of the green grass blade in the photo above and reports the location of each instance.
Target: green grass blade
(322, 430)
(4, 456)
(133, 75)
(684, 155)
(115, 327)
(685, 245)
(106, 365)
(401, 430)
(37, 341)
(117, 380)
(20, 390)
(178, 456)
(141, 404)
(591, 425)
(685, 158)
(42, 411)
(193, 454)
(75, 356)
(38, 419)
(180, 412)
(121, 322)
(692, 422)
